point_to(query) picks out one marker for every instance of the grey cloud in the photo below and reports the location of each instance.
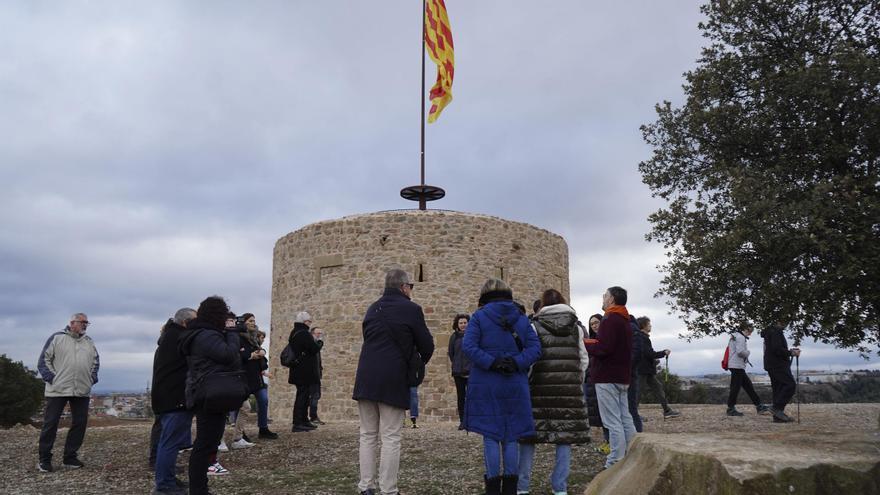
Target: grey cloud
(154, 152)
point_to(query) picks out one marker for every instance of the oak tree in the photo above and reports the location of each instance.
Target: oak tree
(769, 172)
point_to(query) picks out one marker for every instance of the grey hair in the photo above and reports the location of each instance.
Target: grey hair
(184, 315)
(494, 284)
(78, 315)
(396, 277)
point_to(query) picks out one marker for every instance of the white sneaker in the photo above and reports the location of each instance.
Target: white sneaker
(242, 444)
(217, 470)
(222, 447)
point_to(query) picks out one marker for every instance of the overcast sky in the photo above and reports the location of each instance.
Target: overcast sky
(153, 152)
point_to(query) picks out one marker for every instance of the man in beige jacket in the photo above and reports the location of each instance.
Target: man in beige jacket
(69, 366)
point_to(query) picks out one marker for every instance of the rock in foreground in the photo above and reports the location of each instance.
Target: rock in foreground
(796, 461)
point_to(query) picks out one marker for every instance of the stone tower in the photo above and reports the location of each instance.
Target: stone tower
(335, 270)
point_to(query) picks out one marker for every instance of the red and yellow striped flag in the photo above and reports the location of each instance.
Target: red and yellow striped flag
(438, 40)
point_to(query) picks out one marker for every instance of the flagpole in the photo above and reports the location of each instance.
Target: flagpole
(422, 203)
(423, 192)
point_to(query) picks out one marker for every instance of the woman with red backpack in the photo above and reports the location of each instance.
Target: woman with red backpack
(737, 358)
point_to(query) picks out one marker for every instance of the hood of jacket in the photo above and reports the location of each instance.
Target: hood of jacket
(297, 329)
(503, 313)
(185, 341)
(765, 333)
(558, 319)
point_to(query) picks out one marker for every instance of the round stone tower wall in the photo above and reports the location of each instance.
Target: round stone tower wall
(336, 269)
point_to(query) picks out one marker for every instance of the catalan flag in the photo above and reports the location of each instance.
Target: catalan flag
(438, 40)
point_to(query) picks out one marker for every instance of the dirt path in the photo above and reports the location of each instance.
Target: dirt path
(436, 460)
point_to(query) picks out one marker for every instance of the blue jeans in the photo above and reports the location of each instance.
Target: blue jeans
(262, 396)
(614, 409)
(494, 451)
(414, 402)
(176, 427)
(559, 477)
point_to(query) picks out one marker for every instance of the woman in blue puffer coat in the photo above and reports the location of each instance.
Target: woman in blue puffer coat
(501, 346)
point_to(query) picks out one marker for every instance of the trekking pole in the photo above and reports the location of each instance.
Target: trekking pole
(666, 372)
(797, 385)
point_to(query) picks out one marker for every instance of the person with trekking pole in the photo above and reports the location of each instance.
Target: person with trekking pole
(777, 362)
(647, 368)
(797, 382)
(738, 352)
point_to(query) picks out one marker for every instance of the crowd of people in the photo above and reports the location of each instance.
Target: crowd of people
(520, 380)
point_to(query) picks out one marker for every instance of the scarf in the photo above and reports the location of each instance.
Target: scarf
(621, 310)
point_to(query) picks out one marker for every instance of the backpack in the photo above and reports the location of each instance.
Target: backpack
(288, 360)
(726, 358)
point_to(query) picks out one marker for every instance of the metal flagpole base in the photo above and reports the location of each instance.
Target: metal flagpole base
(422, 193)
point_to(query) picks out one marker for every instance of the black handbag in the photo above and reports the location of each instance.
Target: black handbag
(223, 392)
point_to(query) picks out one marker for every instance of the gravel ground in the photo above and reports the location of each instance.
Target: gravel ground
(436, 458)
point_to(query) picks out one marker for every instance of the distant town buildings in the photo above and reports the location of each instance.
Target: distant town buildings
(806, 376)
(121, 405)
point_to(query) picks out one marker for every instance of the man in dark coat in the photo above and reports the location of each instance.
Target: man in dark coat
(305, 373)
(612, 371)
(393, 326)
(632, 393)
(315, 389)
(777, 362)
(168, 397)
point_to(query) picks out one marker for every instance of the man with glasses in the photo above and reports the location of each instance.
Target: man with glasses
(69, 366)
(393, 327)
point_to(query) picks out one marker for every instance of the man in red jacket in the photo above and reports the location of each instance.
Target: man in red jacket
(611, 352)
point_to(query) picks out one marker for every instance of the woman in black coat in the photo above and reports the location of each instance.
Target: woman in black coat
(253, 358)
(209, 348)
(460, 363)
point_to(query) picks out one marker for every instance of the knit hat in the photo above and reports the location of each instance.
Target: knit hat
(302, 317)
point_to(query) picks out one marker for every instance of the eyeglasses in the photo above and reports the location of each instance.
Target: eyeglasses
(410, 285)
(85, 323)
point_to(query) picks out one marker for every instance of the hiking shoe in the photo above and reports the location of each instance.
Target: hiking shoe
(302, 428)
(72, 463)
(222, 447)
(762, 409)
(780, 416)
(671, 414)
(317, 421)
(269, 435)
(241, 443)
(415, 425)
(217, 470)
(731, 411)
(45, 466)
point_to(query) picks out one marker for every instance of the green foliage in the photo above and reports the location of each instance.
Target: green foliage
(21, 392)
(771, 172)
